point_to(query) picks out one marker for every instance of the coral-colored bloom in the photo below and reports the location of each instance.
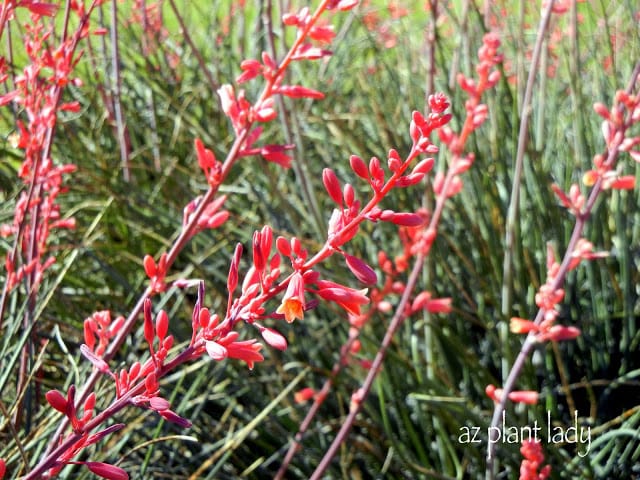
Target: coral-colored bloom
(293, 303)
(348, 298)
(304, 395)
(558, 333)
(521, 325)
(529, 397)
(531, 450)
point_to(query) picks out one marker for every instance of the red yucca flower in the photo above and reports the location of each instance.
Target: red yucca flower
(293, 303)
(529, 397)
(531, 466)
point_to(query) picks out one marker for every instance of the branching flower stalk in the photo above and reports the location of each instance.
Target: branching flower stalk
(617, 122)
(38, 93)
(445, 186)
(202, 213)
(200, 208)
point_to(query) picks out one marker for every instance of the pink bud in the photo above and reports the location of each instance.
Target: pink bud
(332, 185)
(159, 403)
(601, 110)
(90, 402)
(493, 78)
(461, 165)
(134, 371)
(361, 270)
(297, 91)
(110, 472)
(408, 180)
(344, 5)
(304, 395)
(290, 19)
(175, 418)
(349, 194)
(148, 322)
(149, 266)
(232, 278)
(217, 219)
(97, 362)
(162, 324)
(420, 301)
(258, 259)
(283, 246)
(455, 186)
(296, 246)
(439, 305)
(204, 317)
(359, 167)
(424, 166)
(522, 325)
(491, 392)
(376, 170)
(438, 183)
(206, 158)
(414, 132)
(89, 337)
(151, 383)
(394, 161)
(625, 182)
(57, 400)
(404, 219)
(266, 240)
(274, 338)
(529, 397)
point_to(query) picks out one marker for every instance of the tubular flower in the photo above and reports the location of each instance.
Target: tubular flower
(293, 303)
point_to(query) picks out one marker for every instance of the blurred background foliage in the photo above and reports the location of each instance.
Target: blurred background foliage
(433, 381)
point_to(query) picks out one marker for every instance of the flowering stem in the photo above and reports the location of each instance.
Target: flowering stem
(395, 323)
(51, 458)
(581, 219)
(188, 229)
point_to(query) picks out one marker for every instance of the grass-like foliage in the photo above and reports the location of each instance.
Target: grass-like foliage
(345, 239)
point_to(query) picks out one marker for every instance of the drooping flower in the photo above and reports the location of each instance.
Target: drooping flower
(293, 303)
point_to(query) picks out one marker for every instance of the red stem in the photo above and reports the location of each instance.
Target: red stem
(187, 230)
(396, 322)
(581, 219)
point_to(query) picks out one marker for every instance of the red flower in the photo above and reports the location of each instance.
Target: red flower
(304, 395)
(529, 397)
(531, 450)
(348, 298)
(293, 303)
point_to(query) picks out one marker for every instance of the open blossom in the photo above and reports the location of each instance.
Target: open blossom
(228, 347)
(293, 304)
